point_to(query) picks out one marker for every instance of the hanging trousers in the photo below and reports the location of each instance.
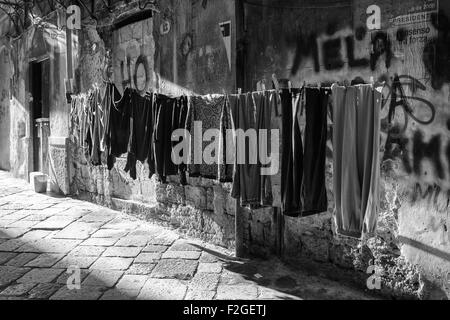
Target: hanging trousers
(303, 190)
(356, 112)
(252, 111)
(292, 154)
(314, 192)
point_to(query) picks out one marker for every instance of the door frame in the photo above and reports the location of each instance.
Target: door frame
(31, 61)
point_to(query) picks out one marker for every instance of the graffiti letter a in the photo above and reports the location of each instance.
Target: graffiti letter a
(74, 17)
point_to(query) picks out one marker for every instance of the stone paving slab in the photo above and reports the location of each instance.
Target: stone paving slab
(44, 275)
(88, 251)
(120, 295)
(45, 260)
(85, 293)
(124, 252)
(9, 274)
(118, 257)
(43, 291)
(104, 278)
(6, 256)
(163, 289)
(179, 269)
(22, 259)
(112, 263)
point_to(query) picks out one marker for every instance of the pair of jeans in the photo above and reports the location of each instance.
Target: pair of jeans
(356, 142)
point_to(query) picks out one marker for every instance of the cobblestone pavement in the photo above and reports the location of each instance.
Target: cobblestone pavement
(42, 237)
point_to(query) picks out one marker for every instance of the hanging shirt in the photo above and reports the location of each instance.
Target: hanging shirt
(170, 115)
(142, 123)
(118, 130)
(213, 112)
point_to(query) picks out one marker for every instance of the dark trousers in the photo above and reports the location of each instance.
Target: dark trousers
(314, 158)
(303, 191)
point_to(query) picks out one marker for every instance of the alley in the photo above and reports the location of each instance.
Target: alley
(44, 239)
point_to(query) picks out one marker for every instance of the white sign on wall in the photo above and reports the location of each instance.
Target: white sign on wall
(225, 28)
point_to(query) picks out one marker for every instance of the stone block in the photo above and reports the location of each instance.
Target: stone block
(196, 197)
(210, 199)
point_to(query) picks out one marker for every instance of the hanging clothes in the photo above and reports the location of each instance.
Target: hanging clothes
(179, 119)
(292, 153)
(171, 114)
(213, 112)
(110, 99)
(142, 121)
(356, 118)
(314, 192)
(251, 112)
(118, 131)
(303, 189)
(96, 127)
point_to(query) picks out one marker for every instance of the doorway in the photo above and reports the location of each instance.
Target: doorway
(40, 101)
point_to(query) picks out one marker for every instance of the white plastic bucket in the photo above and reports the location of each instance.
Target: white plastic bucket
(39, 182)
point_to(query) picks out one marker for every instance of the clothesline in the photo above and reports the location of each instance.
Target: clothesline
(142, 128)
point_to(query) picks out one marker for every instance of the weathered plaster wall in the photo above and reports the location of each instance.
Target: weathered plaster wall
(20, 128)
(5, 75)
(320, 45)
(193, 54)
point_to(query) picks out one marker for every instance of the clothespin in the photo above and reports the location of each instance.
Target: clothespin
(276, 83)
(263, 85)
(290, 86)
(258, 86)
(239, 90)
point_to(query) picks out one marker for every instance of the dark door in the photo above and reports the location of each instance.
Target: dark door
(40, 99)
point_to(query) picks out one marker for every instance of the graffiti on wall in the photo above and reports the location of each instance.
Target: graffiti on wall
(412, 107)
(133, 55)
(329, 52)
(135, 75)
(405, 55)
